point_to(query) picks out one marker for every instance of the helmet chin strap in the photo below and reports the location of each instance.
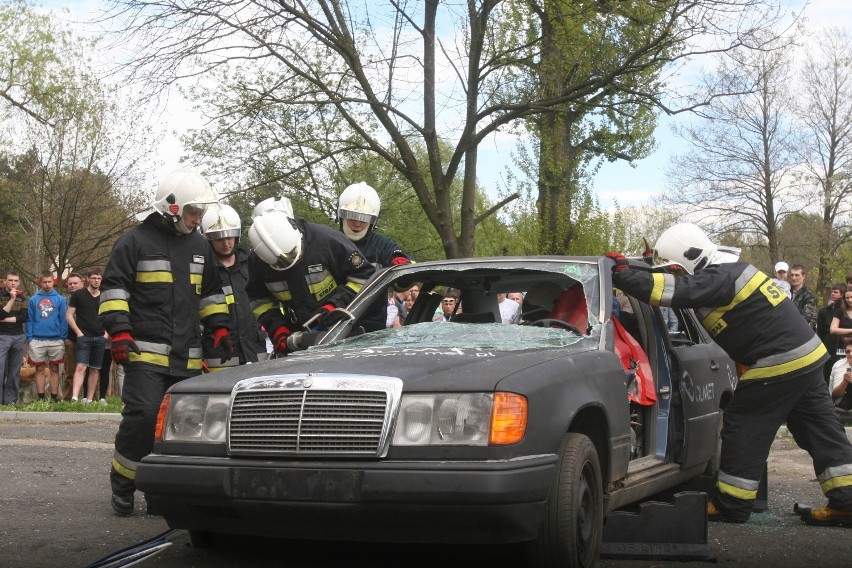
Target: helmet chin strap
(352, 235)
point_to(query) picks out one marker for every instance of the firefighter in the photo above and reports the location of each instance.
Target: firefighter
(159, 284)
(221, 226)
(779, 361)
(358, 210)
(300, 273)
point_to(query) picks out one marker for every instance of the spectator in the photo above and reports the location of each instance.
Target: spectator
(823, 328)
(47, 330)
(841, 321)
(73, 282)
(392, 319)
(803, 298)
(83, 322)
(510, 312)
(516, 297)
(13, 338)
(222, 228)
(409, 302)
(160, 285)
(449, 305)
(780, 279)
(414, 291)
(399, 298)
(841, 376)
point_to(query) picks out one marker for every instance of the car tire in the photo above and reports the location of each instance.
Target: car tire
(573, 526)
(202, 539)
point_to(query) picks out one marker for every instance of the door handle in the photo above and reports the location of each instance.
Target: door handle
(714, 366)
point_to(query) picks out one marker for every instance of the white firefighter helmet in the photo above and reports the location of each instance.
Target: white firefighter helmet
(282, 204)
(181, 188)
(276, 240)
(358, 202)
(686, 245)
(221, 222)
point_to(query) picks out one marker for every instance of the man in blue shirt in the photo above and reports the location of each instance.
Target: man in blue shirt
(47, 329)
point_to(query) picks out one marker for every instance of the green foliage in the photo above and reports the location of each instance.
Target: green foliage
(112, 406)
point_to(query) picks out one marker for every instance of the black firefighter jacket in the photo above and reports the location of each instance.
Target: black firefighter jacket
(745, 312)
(157, 285)
(249, 340)
(331, 272)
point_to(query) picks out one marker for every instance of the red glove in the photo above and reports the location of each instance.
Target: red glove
(620, 260)
(279, 340)
(122, 343)
(399, 260)
(223, 344)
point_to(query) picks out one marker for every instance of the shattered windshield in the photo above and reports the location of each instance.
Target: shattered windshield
(494, 336)
(558, 289)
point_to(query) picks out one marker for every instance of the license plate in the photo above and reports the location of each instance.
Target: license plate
(296, 485)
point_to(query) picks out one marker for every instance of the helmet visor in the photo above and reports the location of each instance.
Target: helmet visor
(358, 216)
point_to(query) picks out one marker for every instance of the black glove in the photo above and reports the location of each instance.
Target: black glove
(223, 345)
(620, 260)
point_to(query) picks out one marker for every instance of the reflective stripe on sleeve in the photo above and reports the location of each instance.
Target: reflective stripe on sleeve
(114, 300)
(663, 290)
(213, 304)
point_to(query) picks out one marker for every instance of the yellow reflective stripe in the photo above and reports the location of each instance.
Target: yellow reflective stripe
(354, 286)
(285, 296)
(218, 308)
(195, 278)
(128, 473)
(229, 299)
(154, 277)
(657, 290)
(739, 493)
(323, 288)
(114, 306)
(194, 364)
(153, 358)
(836, 483)
(787, 367)
(712, 321)
(261, 309)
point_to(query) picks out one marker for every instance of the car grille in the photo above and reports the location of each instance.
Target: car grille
(330, 418)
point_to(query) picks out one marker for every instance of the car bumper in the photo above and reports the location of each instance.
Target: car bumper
(484, 502)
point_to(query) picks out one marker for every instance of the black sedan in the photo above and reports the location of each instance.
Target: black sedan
(454, 426)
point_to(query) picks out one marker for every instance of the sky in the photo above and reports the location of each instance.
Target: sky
(625, 183)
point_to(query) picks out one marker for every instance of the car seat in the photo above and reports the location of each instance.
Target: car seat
(570, 306)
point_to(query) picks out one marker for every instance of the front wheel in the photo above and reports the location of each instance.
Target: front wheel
(573, 526)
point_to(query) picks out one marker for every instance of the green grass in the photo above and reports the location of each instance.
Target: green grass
(113, 405)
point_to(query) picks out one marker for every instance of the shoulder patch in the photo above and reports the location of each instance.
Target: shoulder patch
(356, 260)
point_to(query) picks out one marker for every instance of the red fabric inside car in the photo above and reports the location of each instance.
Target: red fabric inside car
(629, 352)
(570, 306)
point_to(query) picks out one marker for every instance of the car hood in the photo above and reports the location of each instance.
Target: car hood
(427, 357)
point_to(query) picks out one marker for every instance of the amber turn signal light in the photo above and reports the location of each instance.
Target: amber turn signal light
(508, 419)
(161, 418)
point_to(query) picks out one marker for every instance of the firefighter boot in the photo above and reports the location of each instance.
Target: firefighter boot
(122, 494)
(714, 514)
(824, 516)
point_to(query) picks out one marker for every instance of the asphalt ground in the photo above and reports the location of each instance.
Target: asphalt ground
(54, 511)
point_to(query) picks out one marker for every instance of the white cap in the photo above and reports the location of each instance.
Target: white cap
(782, 266)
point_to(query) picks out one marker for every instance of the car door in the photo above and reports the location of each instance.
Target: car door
(703, 376)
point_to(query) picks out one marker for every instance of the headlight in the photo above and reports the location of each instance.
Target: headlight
(453, 419)
(196, 418)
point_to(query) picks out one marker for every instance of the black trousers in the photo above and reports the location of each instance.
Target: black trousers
(751, 421)
(142, 394)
